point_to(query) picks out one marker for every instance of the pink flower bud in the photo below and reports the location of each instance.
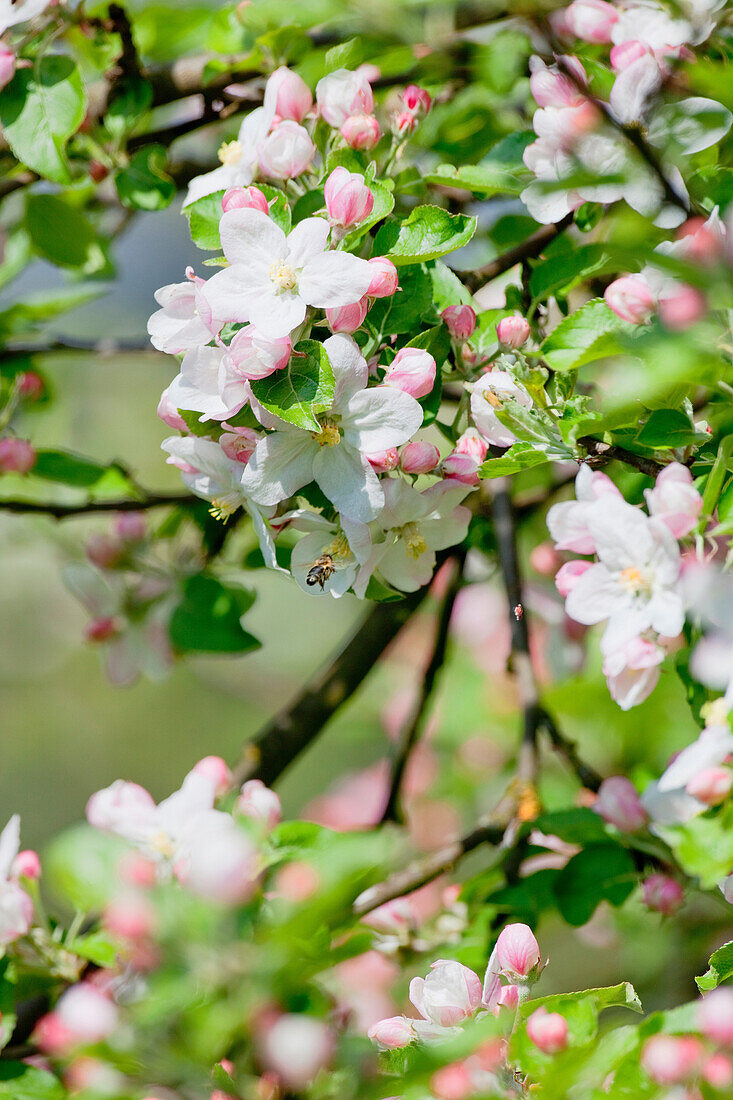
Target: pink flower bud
(260, 803)
(385, 279)
(348, 318)
(348, 199)
(509, 997)
(30, 385)
(86, 1013)
(669, 1059)
(404, 123)
(361, 131)
(675, 500)
(169, 414)
(416, 99)
(217, 771)
(626, 53)
(51, 1036)
(548, 1031)
(413, 371)
(419, 457)
(715, 1016)
(294, 97)
(102, 629)
(296, 1047)
(460, 467)
(287, 151)
(718, 1071)
(711, 786)
(513, 332)
(681, 309)
(130, 916)
(591, 20)
(392, 1034)
(239, 445)
(384, 461)
(244, 198)
(104, 551)
(453, 1082)
(569, 574)
(7, 66)
(618, 803)
(26, 864)
(545, 559)
(662, 894)
(703, 243)
(517, 952)
(342, 94)
(130, 526)
(551, 88)
(630, 299)
(136, 870)
(472, 443)
(460, 321)
(16, 455)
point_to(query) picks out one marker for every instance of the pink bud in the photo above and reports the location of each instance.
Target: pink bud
(361, 131)
(102, 629)
(385, 279)
(137, 871)
(626, 53)
(569, 574)
(130, 916)
(392, 1034)
(591, 20)
(513, 332)
(416, 99)
(419, 457)
(348, 318)
(517, 952)
(294, 97)
(239, 445)
(130, 526)
(260, 803)
(217, 771)
(244, 198)
(348, 199)
(472, 443)
(460, 467)
(227, 1066)
(296, 1047)
(703, 243)
(548, 1031)
(682, 308)
(551, 88)
(384, 461)
(342, 94)
(711, 786)
(618, 803)
(87, 1014)
(7, 66)
(413, 371)
(221, 863)
(16, 455)
(718, 1071)
(404, 123)
(460, 321)
(669, 1059)
(630, 299)
(287, 151)
(509, 997)
(453, 1082)
(715, 1016)
(104, 551)
(662, 894)
(26, 864)
(30, 385)
(169, 414)
(51, 1035)
(545, 559)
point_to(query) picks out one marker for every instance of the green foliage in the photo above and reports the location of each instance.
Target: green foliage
(428, 233)
(302, 390)
(720, 970)
(39, 111)
(208, 618)
(144, 184)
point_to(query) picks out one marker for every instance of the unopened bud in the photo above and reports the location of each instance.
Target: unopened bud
(384, 461)
(361, 131)
(618, 803)
(16, 455)
(662, 894)
(244, 198)
(419, 457)
(548, 1031)
(513, 332)
(385, 279)
(460, 321)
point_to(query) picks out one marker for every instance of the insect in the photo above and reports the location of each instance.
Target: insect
(321, 569)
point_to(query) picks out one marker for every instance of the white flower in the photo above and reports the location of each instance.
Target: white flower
(185, 320)
(633, 584)
(416, 524)
(273, 278)
(16, 908)
(210, 474)
(360, 421)
(486, 401)
(567, 522)
(13, 12)
(653, 25)
(667, 801)
(344, 93)
(632, 671)
(346, 545)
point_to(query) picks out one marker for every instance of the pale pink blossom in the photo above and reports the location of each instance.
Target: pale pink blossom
(16, 907)
(669, 1059)
(393, 1033)
(517, 952)
(453, 1082)
(130, 527)
(626, 53)
(260, 803)
(513, 332)
(682, 307)
(342, 94)
(239, 445)
(244, 198)
(348, 198)
(385, 279)
(185, 319)
(361, 131)
(635, 87)
(348, 318)
(450, 994)
(13, 13)
(217, 771)
(668, 801)
(131, 916)
(419, 457)
(461, 468)
(488, 397)
(413, 371)
(662, 894)
(217, 860)
(169, 414)
(618, 803)
(384, 461)
(552, 88)
(287, 151)
(718, 1071)
(27, 864)
(630, 299)
(296, 1047)
(16, 455)
(567, 522)
(548, 1030)
(294, 98)
(711, 785)
(472, 443)
(86, 1013)
(632, 671)
(715, 1016)
(591, 20)
(545, 559)
(675, 500)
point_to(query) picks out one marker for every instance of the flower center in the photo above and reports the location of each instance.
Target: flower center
(230, 152)
(329, 435)
(492, 399)
(223, 507)
(414, 541)
(339, 549)
(715, 712)
(162, 844)
(633, 581)
(282, 275)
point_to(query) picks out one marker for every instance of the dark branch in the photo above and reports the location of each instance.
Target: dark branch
(608, 451)
(437, 659)
(533, 246)
(63, 511)
(587, 775)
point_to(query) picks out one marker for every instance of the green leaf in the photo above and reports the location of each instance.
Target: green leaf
(8, 999)
(601, 872)
(403, 311)
(380, 592)
(36, 308)
(39, 111)
(144, 184)
(59, 231)
(426, 234)
(97, 947)
(703, 846)
(520, 456)
(204, 216)
(667, 428)
(80, 866)
(302, 390)
(130, 98)
(383, 205)
(579, 825)
(559, 273)
(207, 620)
(720, 969)
(502, 170)
(448, 290)
(82, 473)
(585, 335)
(717, 476)
(19, 1081)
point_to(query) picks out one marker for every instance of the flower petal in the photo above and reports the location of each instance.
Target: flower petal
(281, 464)
(334, 279)
(379, 418)
(348, 480)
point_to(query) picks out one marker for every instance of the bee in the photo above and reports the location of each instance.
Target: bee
(321, 569)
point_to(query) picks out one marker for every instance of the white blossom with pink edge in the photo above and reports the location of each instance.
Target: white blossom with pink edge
(273, 278)
(16, 907)
(344, 93)
(487, 398)
(185, 319)
(450, 994)
(346, 544)
(667, 801)
(675, 500)
(567, 521)
(516, 957)
(632, 671)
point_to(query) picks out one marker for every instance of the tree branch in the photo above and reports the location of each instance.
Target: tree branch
(608, 451)
(528, 249)
(437, 659)
(587, 775)
(64, 511)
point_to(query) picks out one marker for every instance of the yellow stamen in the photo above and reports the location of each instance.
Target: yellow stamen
(715, 712)
(339, 548)
(230, 152)
(222, 509)
(491, 398)
(329, 435)
(282, 275)
(162, 844)
(632, 580)
(414, 541)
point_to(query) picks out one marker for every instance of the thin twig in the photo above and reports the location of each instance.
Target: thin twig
(608, 451)
(64, 511)
(437, 659)
(587, 775)
(528, 249)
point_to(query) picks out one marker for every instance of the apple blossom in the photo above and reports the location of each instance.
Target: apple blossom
(711, 786)
(393, 1033)
(273, 278)
(16, 455)
(591, 20)
(448, 996)
(217, 771)
(131, 916)
(287, 151)
(385, 278)
(348, 318)
(416, 99)
(259, 803)
(86, 1014)
(630, 299)
(217, 860)
(632, 671)
(185, 320)
(634, 88)
(360, 421)
(244, 198)
(718, 1071)
(7, 66)
(516, 957)
(675, 500)
(30, 385)
(681, 308)
(169, 414)
(715, 1016)
(27, 864)
(384, 462)
(130, 527)
(294, 98)
(104, 550)
(460, 468)
(239, 445)
(296, 1047)
(544, 559)
(513, 332)
(348, 198)
(472, 443)
(361, 131)
(569, 574)
(419, 457)
(403, 124)
(619, 804)
(413, 371)
(16, 908)
(668, 801)
(487, 398)
(552, 88)
(342, 94)
(460, 321)
(347, 544)
(669, 1059)
(567, 522)
(662, 894)
(547, 1030)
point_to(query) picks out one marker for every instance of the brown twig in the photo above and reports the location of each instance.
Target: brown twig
(90, 507)
(533, 246)
(608, 451)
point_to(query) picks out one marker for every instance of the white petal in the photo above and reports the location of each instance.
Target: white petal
(349, 367)
(9, 845)
(379, 418)
(306, 241)
(249, 236)
(595, 596)
(334, 279)
(220, 179)
(403, 571)
(281, 464)
(348, 481)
